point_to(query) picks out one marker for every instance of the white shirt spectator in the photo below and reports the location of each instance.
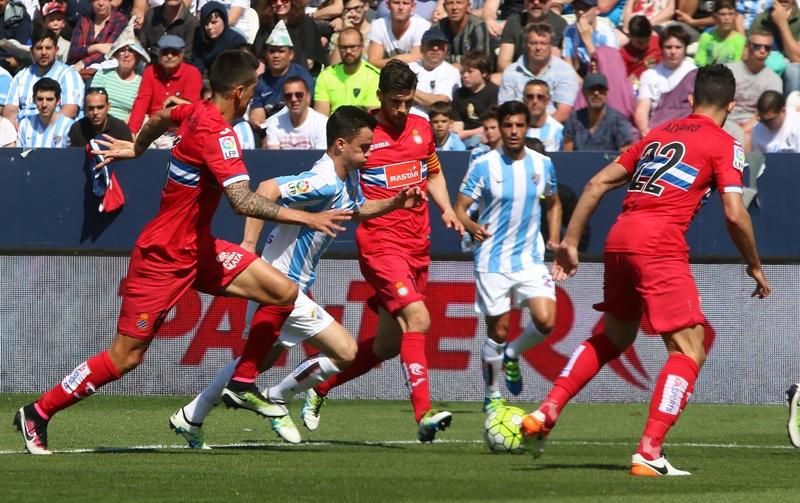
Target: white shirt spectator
(34, 134)
(659, 80)
(381, 32)
(558, 74)
(20, 92)
(8, 135)
(444, 79)
(310, 135)
(785, 139)
(551, 134)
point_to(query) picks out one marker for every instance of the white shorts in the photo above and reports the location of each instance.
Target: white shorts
(496, 289)
(306, 320)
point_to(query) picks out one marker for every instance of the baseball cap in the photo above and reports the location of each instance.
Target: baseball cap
(595, 80)
(168, 41)
(434, 34)
(51, 7)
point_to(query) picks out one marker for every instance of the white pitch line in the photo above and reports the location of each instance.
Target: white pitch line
(162, 447)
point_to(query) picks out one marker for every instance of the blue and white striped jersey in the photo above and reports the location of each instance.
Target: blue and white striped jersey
(551, 134)
(245, 134)
(33, 134)
(20, 92)
(295, 250)
(510, 192)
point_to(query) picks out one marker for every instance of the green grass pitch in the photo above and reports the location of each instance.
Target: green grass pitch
(119, 448)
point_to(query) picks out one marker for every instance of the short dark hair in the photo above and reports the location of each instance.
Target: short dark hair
(770, 101)
(715, 85)
(538, 82)
(476, 60)
(295, 80)
(490, 113)
(723, 4)
(674, 31)
(535, 144)
(397, 76)
(47, 84)
(441, 108)
(346, 122)
(513, 107)
(639, 27)
(231, 68)
(95, 90)
(539, 29)
(41, 33)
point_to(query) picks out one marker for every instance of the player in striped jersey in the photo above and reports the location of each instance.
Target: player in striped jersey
(509, 257)
(19, 100)
(333, 183)
(245, 134)
(48, 128)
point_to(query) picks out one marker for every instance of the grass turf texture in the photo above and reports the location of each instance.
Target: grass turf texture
(366, 451)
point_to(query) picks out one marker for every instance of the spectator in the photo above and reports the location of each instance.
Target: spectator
(54, 18)
(213, 36)
(782, 21)
(658, 12)
(97, 121)
(748, 10)
(695, 16)
(240, 16)
(464, 32)
(723, 44)
(351, 82)
(298, 126)
(172, 17)
(8, 133)
(642, 51)
(93, 36)
(753, 78)
(16, 24)
(667, 84)
(19, 101)
(491, 138)
(168, 82)
(278, 55)
(513, 42)
(441, 119)
(354, 16)
(303, 32)
(597, 127)
(777, 130)
(543, 126)
(475, 96)
(398, 36)
(538, 63)
(582, 38)
(47, 128)
(436, 78)
(122, 82)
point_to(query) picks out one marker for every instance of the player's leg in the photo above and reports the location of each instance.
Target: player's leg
(793, 424)
(493, 300)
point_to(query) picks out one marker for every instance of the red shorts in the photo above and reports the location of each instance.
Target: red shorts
(398, 280)
(154, 285)
(661, 287)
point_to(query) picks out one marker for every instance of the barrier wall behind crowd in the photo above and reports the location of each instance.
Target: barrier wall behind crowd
(47, 209)
(57, 310)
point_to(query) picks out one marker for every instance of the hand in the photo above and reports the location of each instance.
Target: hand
(410, 197)
(438, 15)
(565, 263)
(683, 17)
(481, 234)
(762, 286)
(451, 222)
(336, 24)
(138, 20)
(327, 221)
(173, 101)
(585, 28)
(79, 66)
(495, 28)
(779, 14)
(116, 150)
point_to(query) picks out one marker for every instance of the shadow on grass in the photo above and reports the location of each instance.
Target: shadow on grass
(563, 466)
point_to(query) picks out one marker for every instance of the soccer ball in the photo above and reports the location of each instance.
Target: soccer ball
(502, 430)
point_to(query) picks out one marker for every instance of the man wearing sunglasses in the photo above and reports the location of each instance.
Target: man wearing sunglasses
(782, 21)
(297, 126)
(542, 126)
(96, 120)
(778, 129)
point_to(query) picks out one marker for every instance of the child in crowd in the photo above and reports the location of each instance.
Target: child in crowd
(474, 98)
(723, 44)
(441, 117)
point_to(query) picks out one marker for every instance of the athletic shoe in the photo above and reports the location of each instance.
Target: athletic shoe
(311, 407)
(286, 429)
(513, 374)
(792, 398)
(431, 422)
(33, 429)
(534, 432)
(193, 433)
(660, 467)
(252, 399)
(492, 404)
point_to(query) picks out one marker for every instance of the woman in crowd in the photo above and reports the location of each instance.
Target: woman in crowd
(213, 36)
(94, 35)
(122, 83)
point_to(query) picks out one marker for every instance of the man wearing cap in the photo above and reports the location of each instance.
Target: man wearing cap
(97, 121)
(582, 39)
(173, 18)
(54, 18)
(168, 82)
(278, 58)
(436, 78)
(597, 127)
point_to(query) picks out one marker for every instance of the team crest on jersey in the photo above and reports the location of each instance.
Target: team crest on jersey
(229, 260)
(228, 146)
(738, 157)
(356, 92)
(142, 321)
(417, 137)
(402, 289)
(535, 178)
(298, 187)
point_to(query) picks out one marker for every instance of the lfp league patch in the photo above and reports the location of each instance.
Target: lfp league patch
(228, 146)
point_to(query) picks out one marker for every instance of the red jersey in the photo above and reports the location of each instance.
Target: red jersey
(205, 158)
(637, 61)
(397, 161)
(674, 169)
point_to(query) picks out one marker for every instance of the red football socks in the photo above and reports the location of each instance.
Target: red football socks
(673, 389)
(364, 362)
(415, 367)
(82, 382)
(264, 332)
(585, 362)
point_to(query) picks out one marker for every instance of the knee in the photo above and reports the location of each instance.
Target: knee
(346, 355)
(126, 361)
(418, 321)
(499, 332)
(287, 295)
(546, 324)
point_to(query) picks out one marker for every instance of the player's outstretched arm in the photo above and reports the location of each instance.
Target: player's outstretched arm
(554, 217)
(246, 202)
(269, 190)
(409, 197)
(740, 228)
(157, 125)
(478, 232)
(437, 189)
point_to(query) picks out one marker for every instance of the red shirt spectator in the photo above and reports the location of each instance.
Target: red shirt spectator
(93, 35)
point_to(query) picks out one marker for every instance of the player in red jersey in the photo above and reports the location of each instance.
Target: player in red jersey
(176, 250)
(394, 249)
(668, 174)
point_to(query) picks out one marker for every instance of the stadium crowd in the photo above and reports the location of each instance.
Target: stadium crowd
(595, 74)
